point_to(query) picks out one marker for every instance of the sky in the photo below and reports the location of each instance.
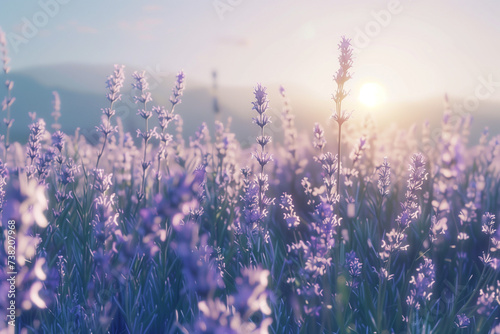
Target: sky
(412, 49)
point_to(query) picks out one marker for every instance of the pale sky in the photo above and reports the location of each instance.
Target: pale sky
(414, 49)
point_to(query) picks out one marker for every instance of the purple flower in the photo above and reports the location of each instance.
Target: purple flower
(114, 83)
(488, 224)
(164, 116)
(393, 241)
(37, 131)
(329, 164)
(411, 207)
(263, 158)
(487, 300)
(384, 178)
(58, 140)
(438, 227)
(145, 114)
(357, 152)
(68, 172)
(319, 141)
(140, 82)
(261, 105)
(151, 133)
(291, 218)
(250, 198)
(252, 292)
(422, 284)
(353, 264)
(106, 128)
(462, 321)
(178, 89)
(341, 77)
(102, 181)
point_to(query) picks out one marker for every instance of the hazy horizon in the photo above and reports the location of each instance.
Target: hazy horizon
(413, 49)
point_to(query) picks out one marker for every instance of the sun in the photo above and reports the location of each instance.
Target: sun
(372, 94)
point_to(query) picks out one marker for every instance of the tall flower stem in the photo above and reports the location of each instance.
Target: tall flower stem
(338, 164)
(114, 83)
(341, 116)
(143, 98)
(106, 134)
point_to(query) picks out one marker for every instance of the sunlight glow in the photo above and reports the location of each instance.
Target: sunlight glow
(372, 94)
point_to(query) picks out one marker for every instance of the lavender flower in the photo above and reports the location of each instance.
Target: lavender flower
(329, 165)
(487, 300)
(178, 90)
(145, 114)
(341, 116)
(102, 181)
(69, 170)
(438, 227)
(422, 284)
(252, 295)
(354, 267)
(462, 321)
(164, 116)
(261, 105)
(418, 175)
(251, 300)
(289, 214)
(341, 77)
(319, 141)
(34, 146)
(357, 152)
(114, 83)
(384, 178)
(488, 224)
(251, 210)
(58, 140)
(141, 84)
(393, 241)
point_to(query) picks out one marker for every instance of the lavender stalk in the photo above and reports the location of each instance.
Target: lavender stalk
(341, 77)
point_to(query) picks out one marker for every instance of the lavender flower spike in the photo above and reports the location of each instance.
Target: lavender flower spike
(261, 105)
(178, 90)
(384, 180)
(291, 218)
(422, 283)
(341, 77)
(114, 83)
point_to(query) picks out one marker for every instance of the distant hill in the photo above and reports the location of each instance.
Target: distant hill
(82, 90)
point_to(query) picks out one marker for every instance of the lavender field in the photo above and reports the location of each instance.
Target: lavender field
(346, 227)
